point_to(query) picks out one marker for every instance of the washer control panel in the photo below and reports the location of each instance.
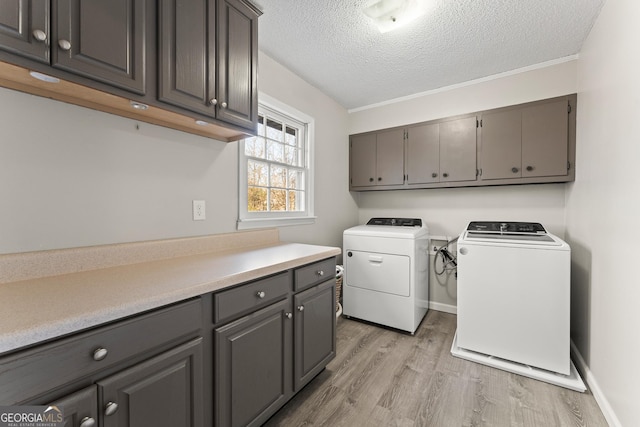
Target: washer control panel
(506, 227)
(402, 222)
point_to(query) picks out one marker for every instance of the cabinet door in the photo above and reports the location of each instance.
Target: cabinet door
(237, 63)
(315, 331)
(390, 157)
(545, 139)
(423, 154)
(501, 142)
(253, 366)
(80, 409)
(102, 40)
(362, 158)
(458, 150)
(24, 28)
(165, 391)
(187, 51)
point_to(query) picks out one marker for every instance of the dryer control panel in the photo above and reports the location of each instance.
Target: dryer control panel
(506, 227)
(403, 222)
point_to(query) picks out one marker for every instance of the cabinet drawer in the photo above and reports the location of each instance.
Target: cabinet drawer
(250, 296)
(29, 373)
(315, 273)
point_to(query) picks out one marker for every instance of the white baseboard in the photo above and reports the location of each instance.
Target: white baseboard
(447, 308)
(601, 400)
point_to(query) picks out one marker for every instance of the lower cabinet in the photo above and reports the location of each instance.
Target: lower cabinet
(252, 367)
(164, 391)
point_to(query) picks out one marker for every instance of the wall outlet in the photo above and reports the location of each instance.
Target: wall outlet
(198, 210)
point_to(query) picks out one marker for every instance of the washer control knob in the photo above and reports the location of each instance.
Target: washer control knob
(464, 251)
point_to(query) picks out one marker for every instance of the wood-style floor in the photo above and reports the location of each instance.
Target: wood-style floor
(382, 377)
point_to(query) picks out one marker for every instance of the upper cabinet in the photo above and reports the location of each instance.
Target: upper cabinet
(442, 152)
(101, 40)
(376, 159)
(192, 64)
(208, 58)
(24, 28)
(522, 144)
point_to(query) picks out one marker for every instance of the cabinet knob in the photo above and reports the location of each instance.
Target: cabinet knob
(379, 178)
(213, 101)
(110, 408)
(320, 273)
(260, 294)
(223, 105)
(514, 170)
(288, 315)
(529, 168)
(87, 422)
(370, 179)
(434, 175)
(445, 175)
(301, 308)
(99, 354)
(64, 44)
(39, 35)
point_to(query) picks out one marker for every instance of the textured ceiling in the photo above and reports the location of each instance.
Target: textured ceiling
(335, 47)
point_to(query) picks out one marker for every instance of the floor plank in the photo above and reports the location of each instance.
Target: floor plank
(383, 377)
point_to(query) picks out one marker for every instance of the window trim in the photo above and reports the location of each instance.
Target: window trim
(247, 220)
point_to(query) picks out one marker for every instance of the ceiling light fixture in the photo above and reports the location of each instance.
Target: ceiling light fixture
(391, 14)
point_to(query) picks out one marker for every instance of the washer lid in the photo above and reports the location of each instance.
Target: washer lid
(388, 231)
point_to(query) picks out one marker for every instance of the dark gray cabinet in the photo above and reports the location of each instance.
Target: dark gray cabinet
(80, 408)
(377, 159)
(208, 58)
(165, 391)
(315, 333)
(102, 40)
(442, 152)
(526, 141)
(24, 28)
(253, 366)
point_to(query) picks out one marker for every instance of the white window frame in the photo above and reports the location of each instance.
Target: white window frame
(249, 220)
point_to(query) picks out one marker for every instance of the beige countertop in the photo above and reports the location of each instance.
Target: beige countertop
(42, 308)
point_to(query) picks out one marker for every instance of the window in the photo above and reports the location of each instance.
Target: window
(275, 181)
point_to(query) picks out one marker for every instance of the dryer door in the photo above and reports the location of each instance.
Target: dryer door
(379, 272)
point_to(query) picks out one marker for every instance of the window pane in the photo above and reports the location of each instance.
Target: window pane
(254, 147)
(274, 130)
(261, 125)
(296, 180)
(278, 176)
(278, 200)
(275, 151)
(291, 136)
(296, 200)
(291, 155)
(256, 199)
(257, 173)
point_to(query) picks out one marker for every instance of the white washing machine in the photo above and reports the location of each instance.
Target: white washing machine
(386, 272)
(514, 301)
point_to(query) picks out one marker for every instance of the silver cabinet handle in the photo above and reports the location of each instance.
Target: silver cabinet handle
(64, 44)
(223, 105)
(110, 408)
(301, 308)
(213, 101)
(260, 294)
(39, 35)
(87, 422)
(99, 354)
(514, 170)
(320, 273)
(434, 175)
(288, 315)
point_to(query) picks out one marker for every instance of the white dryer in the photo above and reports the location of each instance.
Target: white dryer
(386, 272)
(514, 301)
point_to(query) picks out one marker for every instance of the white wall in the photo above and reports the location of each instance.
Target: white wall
(71, 176)
(603, 208)
(447, 211)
